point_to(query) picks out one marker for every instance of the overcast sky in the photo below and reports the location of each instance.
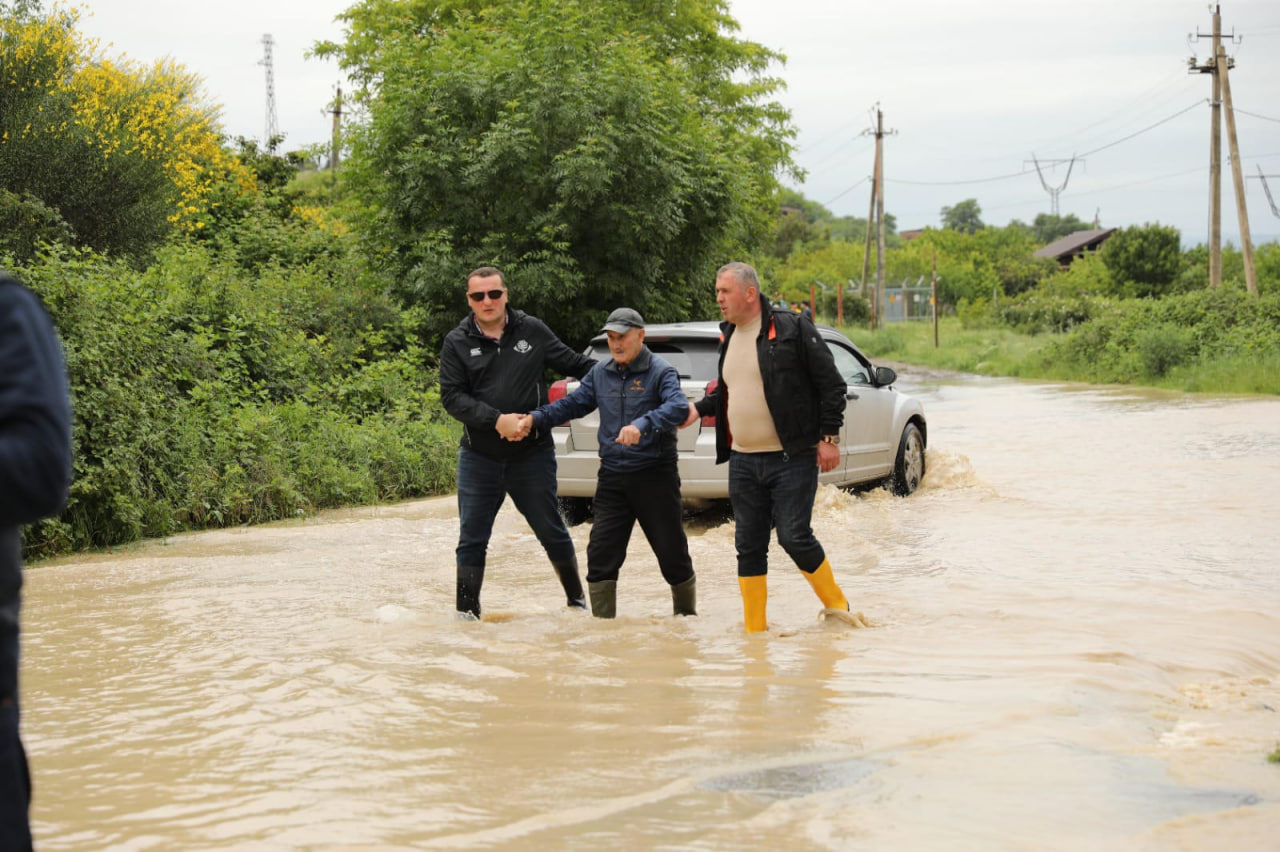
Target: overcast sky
(972, 91)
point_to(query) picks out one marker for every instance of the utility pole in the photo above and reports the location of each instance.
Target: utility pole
(880, 264)
(876, 212)
(337, 129)
(1215, 149)
(267, 143)
(1237, 177)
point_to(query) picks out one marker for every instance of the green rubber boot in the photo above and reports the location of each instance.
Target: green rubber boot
(684, 597)
(604, 598)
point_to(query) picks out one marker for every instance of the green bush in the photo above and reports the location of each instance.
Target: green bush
(206, 396)
(1137, 339)
(1143, 261)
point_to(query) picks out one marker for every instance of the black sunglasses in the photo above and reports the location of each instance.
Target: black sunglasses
(478, 295)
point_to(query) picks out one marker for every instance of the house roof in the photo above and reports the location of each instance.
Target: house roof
(1074, 244)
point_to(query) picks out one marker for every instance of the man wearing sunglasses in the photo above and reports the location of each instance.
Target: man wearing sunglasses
(494, 362)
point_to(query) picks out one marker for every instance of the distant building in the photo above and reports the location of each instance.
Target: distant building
(910, 235)
(1075, 245)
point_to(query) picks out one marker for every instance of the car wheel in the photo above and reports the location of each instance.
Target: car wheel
(908, 469)
(575, 510)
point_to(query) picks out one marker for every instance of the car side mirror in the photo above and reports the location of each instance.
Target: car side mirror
(885, 376)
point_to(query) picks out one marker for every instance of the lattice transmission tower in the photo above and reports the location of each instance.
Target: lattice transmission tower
(272, 130)
(1054, 191)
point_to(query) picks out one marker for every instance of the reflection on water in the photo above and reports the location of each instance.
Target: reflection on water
(1073, 644)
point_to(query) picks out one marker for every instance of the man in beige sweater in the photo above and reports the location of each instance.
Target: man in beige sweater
(779, 405)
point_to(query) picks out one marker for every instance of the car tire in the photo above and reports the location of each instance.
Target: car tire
(575, 510)
(908, 468)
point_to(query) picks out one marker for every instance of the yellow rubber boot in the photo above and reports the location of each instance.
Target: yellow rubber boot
(755, 593)
(824, 586)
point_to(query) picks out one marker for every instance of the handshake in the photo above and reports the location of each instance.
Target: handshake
(514, 427)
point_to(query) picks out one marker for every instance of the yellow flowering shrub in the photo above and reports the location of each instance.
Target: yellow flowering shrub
(125, 152)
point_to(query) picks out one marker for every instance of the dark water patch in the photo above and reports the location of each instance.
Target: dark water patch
(794, 781)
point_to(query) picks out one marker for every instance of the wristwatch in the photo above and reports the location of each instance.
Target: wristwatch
(831, 439)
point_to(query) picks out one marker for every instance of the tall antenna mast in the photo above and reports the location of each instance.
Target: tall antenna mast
(1054, 191)
(272, 131)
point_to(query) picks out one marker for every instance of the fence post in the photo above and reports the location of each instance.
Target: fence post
(933, 298)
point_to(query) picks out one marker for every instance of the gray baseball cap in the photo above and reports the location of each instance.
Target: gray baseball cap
(623, 320)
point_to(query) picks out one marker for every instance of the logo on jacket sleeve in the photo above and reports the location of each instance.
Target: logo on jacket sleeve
(523, 347)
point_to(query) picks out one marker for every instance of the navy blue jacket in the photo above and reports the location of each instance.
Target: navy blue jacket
(645, 393)
(481, 378)
(35, 429)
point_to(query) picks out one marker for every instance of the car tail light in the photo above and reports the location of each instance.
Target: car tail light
(558, 390)
(710, 419)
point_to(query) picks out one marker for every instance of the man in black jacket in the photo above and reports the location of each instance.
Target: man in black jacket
(35, 475)
(779, 406)
(494, 362)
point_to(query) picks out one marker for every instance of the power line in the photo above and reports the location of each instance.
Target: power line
(962, 182)
(1255, 115)
(1032, 170)
(1145, 129)
(847, 191)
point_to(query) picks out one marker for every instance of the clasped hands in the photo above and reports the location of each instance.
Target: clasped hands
(516, 427)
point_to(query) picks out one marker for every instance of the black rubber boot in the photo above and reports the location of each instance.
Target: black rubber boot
(684, 597)
(572, 583)
(470, 578)
(604, 598)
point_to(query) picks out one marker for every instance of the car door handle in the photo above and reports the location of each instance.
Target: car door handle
(851, 395)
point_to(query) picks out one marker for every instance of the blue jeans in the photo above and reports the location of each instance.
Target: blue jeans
(15, 780)
(483, 485)
(774, 490)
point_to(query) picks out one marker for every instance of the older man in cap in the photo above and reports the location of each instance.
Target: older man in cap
(641, 405)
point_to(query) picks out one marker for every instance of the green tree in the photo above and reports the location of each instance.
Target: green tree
(1143, 260)
(1048, 227)
(600, 154)
(965, 217)
(123, 154)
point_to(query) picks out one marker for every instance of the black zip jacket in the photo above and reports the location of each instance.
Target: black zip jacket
(802, 386)
(481, 378)
(35, 427)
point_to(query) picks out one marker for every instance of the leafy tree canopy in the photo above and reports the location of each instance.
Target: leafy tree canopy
(122, 153)
(599, 153)
(965, 217)
(1143, 260)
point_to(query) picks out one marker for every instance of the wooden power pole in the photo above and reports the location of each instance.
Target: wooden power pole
(1237, 177)
(336, 144)
(880, 217)
(1215, 151)
(875, 218)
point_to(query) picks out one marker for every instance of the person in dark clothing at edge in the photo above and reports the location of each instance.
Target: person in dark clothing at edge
(779, 406)
(641, 405)
(35, 475)
(492, 363)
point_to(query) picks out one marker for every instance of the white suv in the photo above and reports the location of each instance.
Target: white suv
(883, 438)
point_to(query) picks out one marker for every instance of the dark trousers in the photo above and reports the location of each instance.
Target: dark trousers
(650, 496)
(15, 780)
(774, 490)
(483, 485)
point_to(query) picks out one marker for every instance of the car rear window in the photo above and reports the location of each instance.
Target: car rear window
(693, 359)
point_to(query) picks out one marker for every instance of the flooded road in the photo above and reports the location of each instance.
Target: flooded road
(1074, 644)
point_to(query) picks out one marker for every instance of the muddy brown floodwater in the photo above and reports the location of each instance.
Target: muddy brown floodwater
(1074, 644)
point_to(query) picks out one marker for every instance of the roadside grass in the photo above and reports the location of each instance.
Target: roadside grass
(991, 351)
(1000, 351)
